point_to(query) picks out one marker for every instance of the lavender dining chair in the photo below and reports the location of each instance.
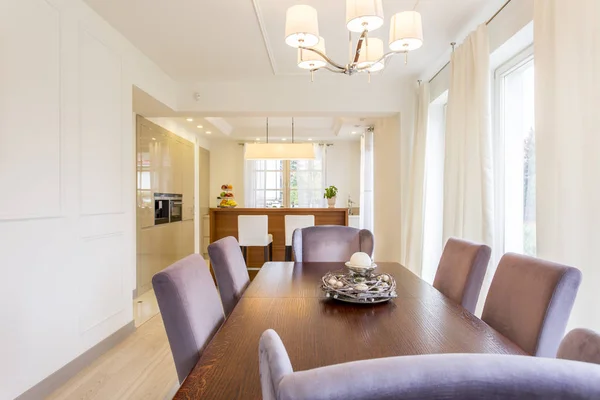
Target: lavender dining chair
(230, 270)
(580, 345)
(461, 271)
(190, 308)
(426, 377)
(330, 243)
(530, 301)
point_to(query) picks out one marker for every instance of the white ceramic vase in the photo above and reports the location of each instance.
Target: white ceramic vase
(331, 202)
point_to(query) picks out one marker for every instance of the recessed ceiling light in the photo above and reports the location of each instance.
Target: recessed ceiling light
(284, 139)
(199, 127)
(257, 138)
(353, 132)
(190, 119)
(310, 139)
(153, 138)
(208, 132)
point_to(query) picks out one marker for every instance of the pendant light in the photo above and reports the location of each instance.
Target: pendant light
(279, 151)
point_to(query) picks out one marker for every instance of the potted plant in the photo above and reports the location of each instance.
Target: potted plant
(330, 194)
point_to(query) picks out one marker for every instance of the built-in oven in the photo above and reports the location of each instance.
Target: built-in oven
(167, 208)
(176, 204)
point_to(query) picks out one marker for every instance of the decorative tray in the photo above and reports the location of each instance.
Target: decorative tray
(367, 288)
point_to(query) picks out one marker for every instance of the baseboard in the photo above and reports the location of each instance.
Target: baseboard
(62, 376)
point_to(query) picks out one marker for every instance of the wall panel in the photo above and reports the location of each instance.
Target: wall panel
(30, 125)
(101, 120)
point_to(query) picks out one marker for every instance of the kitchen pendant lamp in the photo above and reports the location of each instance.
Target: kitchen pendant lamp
(279, 151)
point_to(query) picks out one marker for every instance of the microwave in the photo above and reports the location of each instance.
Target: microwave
(167, 208)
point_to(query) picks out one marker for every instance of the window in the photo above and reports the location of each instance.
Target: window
(515, 155)
(284, 183)
(434, 187)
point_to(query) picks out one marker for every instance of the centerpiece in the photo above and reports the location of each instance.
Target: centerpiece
(331, 195)
(359, 283)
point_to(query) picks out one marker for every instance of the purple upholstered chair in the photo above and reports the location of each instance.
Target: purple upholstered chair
(580, 345)
(436, 376)
(190, 308)
(230, 270)
(330, 243)
(530, 301)
(461, 271)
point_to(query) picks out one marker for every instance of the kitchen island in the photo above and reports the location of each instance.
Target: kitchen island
(223, 222)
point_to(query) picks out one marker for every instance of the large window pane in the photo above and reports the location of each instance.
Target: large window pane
(518, 185)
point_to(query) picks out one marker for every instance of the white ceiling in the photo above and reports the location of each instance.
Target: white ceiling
(254, 128)
(194, 40)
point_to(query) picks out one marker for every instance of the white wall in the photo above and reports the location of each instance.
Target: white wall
(67, 162)
(343, 171)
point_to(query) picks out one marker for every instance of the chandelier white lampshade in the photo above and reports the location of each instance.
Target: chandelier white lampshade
(301, 26)
(279, 151)
(406, 31)
(371, 52)
(364, 15)
(309, 59)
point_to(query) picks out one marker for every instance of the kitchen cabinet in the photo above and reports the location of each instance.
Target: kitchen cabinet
(188, 181)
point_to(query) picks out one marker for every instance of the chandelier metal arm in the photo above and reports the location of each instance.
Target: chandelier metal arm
(337, 71)
(361, 39)
(329, 60)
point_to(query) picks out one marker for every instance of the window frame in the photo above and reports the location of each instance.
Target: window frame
(286, 188)
(515, 63)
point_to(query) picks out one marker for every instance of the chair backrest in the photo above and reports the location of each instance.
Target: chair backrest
(530, 301)
(190, 308)
(293, 222)
(230, 270)
(435, 376)
(461, 271)
(330, 243)
(253, 230)
(580, 345)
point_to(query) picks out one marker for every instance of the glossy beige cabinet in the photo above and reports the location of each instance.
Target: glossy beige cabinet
(165, 164)
(188, 186)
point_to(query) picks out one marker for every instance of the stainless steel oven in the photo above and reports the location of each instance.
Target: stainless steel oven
(176, 205)
(167, 208)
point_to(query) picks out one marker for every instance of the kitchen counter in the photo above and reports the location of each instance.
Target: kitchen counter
(223, 222)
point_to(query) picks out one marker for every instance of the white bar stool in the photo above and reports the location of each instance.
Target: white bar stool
(293, 222)
(253, 231)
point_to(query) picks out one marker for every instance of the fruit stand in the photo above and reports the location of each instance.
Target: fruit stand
(226, 199)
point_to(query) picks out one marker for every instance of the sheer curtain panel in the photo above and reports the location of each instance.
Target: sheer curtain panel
(366, 181)
(567, 99)
(412, 239)
(468, 174)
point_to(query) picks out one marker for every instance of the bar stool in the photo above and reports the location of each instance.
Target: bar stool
(293, 222)
(253, 231)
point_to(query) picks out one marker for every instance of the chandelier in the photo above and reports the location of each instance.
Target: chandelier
(362, 16)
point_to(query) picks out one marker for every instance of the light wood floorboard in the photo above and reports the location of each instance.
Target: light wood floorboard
(140, 367)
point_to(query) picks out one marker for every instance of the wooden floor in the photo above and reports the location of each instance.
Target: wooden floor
(140, 367)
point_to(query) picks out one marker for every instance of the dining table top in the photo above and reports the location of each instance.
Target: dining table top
(319, 331)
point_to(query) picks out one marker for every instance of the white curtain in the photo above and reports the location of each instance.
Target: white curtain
(366, 216)
(567, 103)
(413, 215)
(249, 182)
(468, 173)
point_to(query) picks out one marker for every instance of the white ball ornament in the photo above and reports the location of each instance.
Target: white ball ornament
(362, 287)
(332, 281)
(339, 284)
(385, 278)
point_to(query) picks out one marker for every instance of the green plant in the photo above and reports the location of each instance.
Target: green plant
(330, 192)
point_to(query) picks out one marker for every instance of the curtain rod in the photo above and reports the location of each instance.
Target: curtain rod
(317, 143)
(487, 23)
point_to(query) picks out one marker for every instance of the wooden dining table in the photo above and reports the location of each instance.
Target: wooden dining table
(319, 331)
